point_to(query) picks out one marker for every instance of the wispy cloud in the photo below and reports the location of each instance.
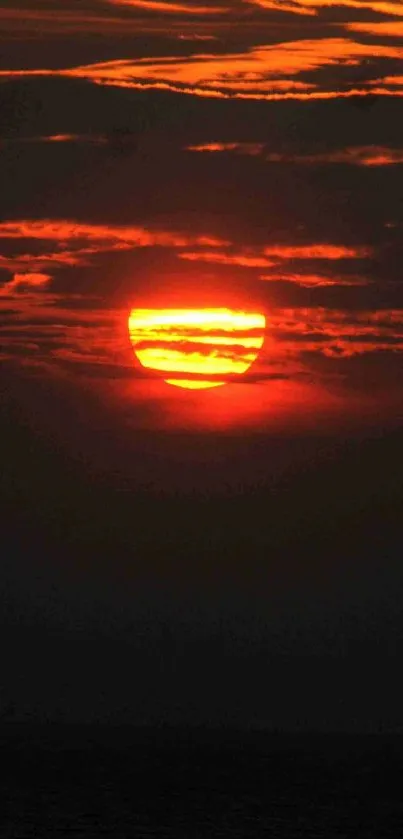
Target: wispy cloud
(93, 139)
(306, 7)
(250, 69)
(63, 230)
(37, 262)
(193, 36)
(337, 333)
(279, 5)
(276, 255)
(167, 7)
(47, 328)
(317, 251)
(93, 342)
(352, 155)
(264, 72)
(252, 149)
(315, 280)
(78, 244)
(219, 258)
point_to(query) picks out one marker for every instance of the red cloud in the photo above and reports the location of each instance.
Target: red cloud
(108, 236)
(243, 260)
(26, 282)
(316, 251)
(77, 243)
(259, 259)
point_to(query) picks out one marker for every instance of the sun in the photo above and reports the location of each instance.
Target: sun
(196, 348)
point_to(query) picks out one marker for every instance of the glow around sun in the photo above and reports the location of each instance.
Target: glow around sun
(196, 348)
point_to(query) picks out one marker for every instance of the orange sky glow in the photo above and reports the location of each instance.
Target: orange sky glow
(191, 139)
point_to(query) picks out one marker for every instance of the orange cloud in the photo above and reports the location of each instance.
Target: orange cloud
(391, 81)
(242, 260)
(86, 241)
(43, 331)
(392, 28)
(280, 253)
(316, 251)
(314, 280)
(241, 148)
(53, 138)
(275, 255)
(251, 68)
(28, 282)
(169, 7)
(354, 155)
(320, 95)
(110, 236)
(336, 322)
(260, 259)
(282, 6)
(382, 88)
(36, 262)
(69, 138)
(220, 147)
(306, 7)
(262, 72)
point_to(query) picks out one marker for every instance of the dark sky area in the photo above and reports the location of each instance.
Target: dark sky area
(229, 556)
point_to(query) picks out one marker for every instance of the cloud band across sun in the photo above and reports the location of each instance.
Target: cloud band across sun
(196, 348)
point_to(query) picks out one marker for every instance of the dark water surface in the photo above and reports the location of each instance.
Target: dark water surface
(88, 782)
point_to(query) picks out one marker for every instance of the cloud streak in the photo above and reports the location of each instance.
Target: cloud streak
(106, 236)
(279, 255)
(314, 280)
(43, 332)
(351, 156)
(336, 333)
(262, 72)
(79, 244)
(171, 8)
(312, 7)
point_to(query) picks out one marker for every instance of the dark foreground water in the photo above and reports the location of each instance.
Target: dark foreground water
(117, 782)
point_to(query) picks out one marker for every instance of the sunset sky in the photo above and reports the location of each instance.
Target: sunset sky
(239, 154)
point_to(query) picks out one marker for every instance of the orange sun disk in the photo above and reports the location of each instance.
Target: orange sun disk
(196, 348)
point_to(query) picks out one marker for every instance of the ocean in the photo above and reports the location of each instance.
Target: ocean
(120, 782)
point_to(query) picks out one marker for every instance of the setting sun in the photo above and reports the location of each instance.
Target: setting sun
(196, 348)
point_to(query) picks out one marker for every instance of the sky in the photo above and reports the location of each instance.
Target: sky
(223, 556)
